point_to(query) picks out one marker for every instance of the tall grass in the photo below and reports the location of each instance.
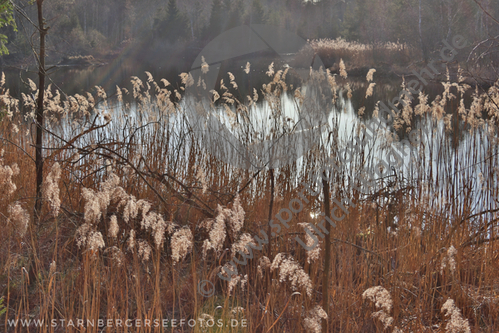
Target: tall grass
(136, 212)
(362, 55)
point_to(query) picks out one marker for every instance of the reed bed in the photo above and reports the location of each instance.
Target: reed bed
(362, 55)
(136, 212)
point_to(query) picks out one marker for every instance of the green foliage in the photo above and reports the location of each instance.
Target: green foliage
(6, 19)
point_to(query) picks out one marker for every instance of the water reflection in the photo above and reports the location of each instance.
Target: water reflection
(260, 132)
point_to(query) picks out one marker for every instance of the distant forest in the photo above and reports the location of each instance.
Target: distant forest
(96, 27)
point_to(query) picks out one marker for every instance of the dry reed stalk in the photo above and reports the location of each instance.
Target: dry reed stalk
(395, 236)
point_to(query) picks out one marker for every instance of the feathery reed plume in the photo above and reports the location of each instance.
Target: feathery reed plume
(131, 241)
(383, 301)
(50, 189)
(187, 79)
(181, 244)
(236, 216)
(289, 269)
(270, 72)
(456, 324)
(115, 255)
(349, 92)
(137, 85)
(165, 82)
(263, 263)
(217, 233)
(313, 254)
(97, 202)
(240, 245)
(52, 267)
(7, 186)
(81, 234)
(101, 92)
(370, 73)
(370, 89)
(383, 317)
(119, 94)
(32, 85)
(113, 227)
(380, 297)
(227, 220)
(131, 209)
(144, 251)
(232, 81)
(449, 260)
(158, 226)
(19, 217)
(313, 322)
(343, 72)
(238, 279)
(95, 241)
(361, 111)
(247, 68)
(233, 282)
(204, 66)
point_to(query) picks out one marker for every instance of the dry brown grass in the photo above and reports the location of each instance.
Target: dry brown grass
(138, 205)
(357, 55)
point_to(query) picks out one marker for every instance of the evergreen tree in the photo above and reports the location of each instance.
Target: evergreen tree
(216, 19)
(172, 25)
(257, 15)
(235, 16)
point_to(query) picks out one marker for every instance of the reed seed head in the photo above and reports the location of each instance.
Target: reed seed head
(181, 244)
(50, 189)
(456, 323)
(19, 217)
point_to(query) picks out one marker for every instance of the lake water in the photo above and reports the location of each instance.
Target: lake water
(457, 156)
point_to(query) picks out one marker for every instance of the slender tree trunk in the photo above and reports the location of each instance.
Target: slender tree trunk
(39, 112)
(327, 255)
(32, 274)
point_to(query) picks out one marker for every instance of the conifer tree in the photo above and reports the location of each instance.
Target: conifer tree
(172, 25)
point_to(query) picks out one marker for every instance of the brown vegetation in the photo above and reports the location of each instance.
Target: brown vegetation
(136, 213)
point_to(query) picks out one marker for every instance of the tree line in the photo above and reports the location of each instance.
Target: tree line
(87, 26)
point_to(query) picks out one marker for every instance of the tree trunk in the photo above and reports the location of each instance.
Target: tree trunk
(39, 112)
